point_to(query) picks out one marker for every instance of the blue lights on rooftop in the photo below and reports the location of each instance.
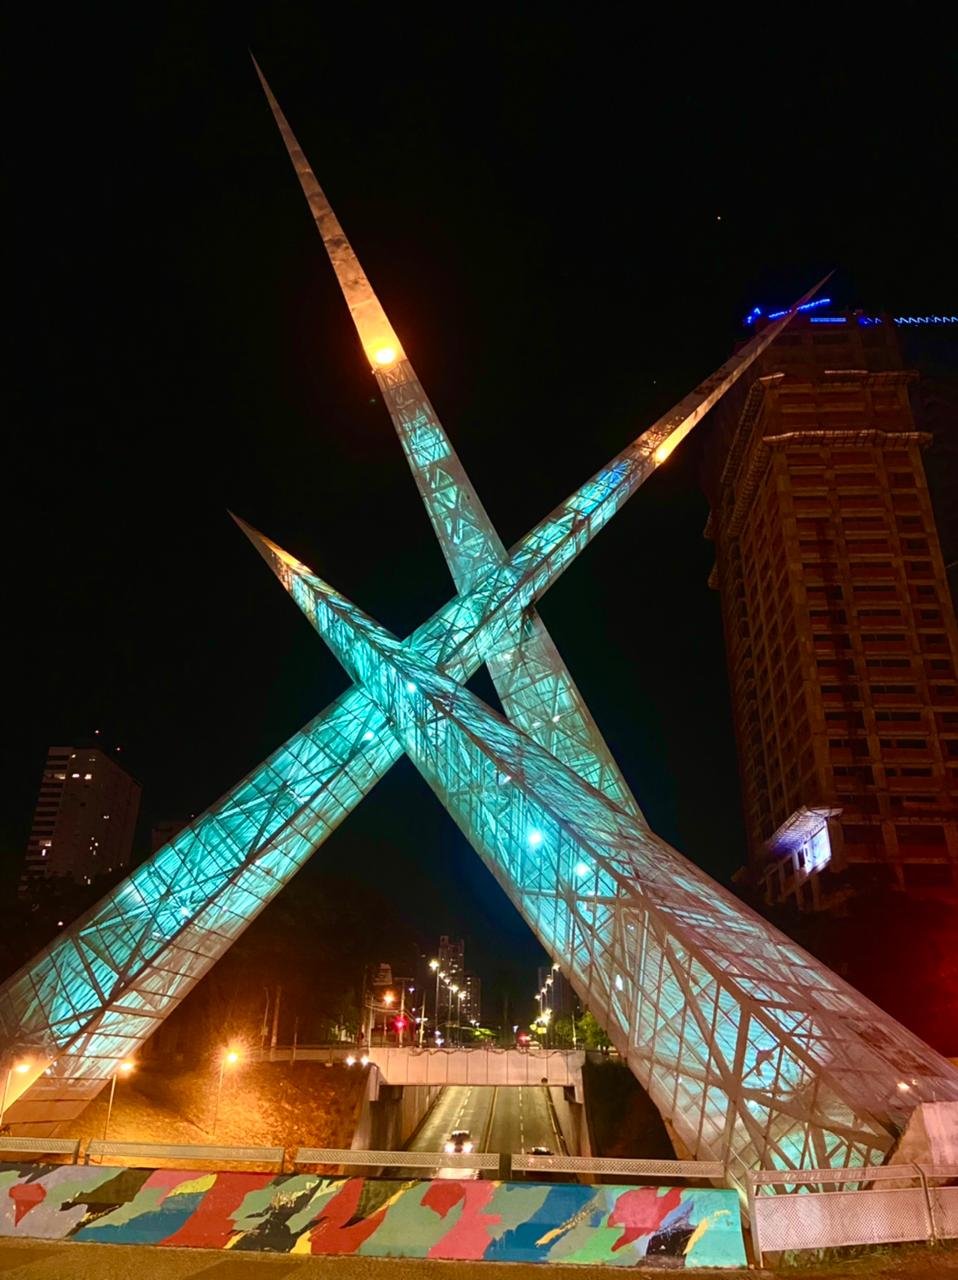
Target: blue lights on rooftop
(777, 315)
(926, 319)
(864, 321)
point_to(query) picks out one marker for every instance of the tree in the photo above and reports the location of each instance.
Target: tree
(593, 1037)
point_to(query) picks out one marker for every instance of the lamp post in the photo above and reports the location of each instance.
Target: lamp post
(434, 965)
(389, 999)
(229, 1059)
(21, 1068)
(123, 1069)
(453, 990)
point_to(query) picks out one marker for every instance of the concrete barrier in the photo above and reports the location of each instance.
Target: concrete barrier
(306, 1213)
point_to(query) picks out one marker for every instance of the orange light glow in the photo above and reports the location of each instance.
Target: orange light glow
(385, 355)
(22, 1068)
(127, 1067)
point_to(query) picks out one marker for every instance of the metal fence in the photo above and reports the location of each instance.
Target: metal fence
(941, 1183)
(700, 1170)
(40, 1147)
(885, 1204)
(397, 1159)
(269, 1156)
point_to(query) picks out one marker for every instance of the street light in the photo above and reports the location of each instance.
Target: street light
(434, 966)
(123, 1069)
(229, 1058)
(21, 1068)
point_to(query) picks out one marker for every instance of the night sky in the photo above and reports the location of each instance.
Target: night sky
(566, 223)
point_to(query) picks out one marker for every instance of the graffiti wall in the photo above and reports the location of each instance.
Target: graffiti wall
(309, 1214)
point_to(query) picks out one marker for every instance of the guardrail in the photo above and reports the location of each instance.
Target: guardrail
(397, 1159)
(925, 1208)
(41, 1146)
(706, 1170)
(168, 1151)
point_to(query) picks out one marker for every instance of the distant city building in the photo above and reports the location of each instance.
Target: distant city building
(164, 831)
(840, 632)
(451, 957)
(472, 1001)
(84, 820)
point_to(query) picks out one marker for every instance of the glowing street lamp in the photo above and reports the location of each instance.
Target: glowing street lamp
(229, 1058)
(123, 1069)
(435, 967)
(21, 1068)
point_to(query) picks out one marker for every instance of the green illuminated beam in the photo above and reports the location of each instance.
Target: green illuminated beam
(755, 1052)
(459, 637)
(534, 685)
(100, 988)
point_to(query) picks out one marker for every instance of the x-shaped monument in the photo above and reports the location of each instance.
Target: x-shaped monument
(753, 1050)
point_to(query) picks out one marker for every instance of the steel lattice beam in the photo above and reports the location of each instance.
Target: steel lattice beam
(99, 989)
(757, 1053)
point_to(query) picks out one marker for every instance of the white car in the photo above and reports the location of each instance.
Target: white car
(458, 1142)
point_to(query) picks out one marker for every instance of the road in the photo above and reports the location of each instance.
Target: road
(512, 1119)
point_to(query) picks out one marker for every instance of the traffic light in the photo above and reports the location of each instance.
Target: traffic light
(399, 1024)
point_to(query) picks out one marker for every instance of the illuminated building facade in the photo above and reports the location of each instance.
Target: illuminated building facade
(84, 820)
(840, 632)
(472, 1001)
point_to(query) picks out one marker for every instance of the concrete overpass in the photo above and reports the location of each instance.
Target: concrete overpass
(453, 1066)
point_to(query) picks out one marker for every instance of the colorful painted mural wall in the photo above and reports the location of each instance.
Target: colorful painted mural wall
(302, 1213)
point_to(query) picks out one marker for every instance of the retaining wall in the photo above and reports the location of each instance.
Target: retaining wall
(306, 1213)
(390, 1113)
(571, 1119)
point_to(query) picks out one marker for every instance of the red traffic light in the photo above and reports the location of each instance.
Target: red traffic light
(399, 1024)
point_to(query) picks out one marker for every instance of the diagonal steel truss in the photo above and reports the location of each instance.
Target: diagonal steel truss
(103, 985)
(757, 1053)
(534, 685)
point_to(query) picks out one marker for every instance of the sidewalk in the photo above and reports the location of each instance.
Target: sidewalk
(38, 1260)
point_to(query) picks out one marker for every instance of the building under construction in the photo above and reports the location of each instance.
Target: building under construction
(840, 631)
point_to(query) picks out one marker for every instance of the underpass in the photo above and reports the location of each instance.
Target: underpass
(506, 1119)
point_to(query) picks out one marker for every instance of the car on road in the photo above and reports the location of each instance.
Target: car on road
(540, 1151)
(459, 1142)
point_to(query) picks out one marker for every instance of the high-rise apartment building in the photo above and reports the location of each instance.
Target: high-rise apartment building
(451, 957)
(472, 1000)
(840, 632)
(84, 820)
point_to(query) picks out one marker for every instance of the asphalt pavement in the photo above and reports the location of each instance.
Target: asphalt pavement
(513, 1119)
